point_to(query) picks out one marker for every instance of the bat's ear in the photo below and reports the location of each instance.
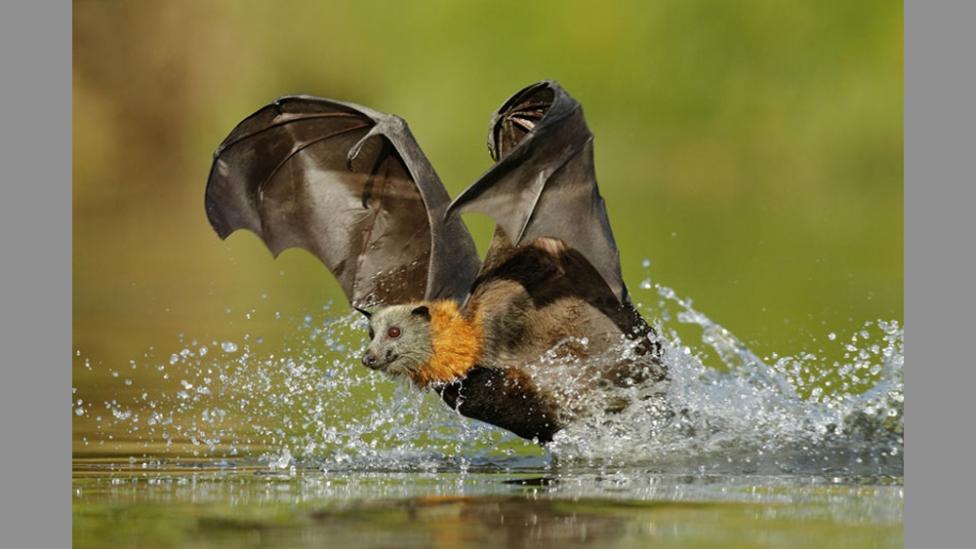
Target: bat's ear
(364, 312)
(421, 311)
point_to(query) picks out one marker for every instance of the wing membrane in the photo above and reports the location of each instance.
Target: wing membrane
(351, 186)
(544, 182)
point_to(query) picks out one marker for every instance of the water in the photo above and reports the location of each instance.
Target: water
(223, 442)
(232, 507)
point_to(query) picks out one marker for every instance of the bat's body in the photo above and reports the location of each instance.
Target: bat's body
(523, 341)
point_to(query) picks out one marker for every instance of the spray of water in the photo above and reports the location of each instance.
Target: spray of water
(310, 404)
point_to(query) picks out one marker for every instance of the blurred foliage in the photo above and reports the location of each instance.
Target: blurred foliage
(752, 150)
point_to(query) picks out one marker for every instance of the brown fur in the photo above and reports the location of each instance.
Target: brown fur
(457, 344)
(529, 301)
(506, 398)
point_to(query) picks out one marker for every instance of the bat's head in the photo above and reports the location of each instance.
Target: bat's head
(400, 339)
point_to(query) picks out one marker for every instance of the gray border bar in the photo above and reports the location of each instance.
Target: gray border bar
(35, 292)
(940, 143)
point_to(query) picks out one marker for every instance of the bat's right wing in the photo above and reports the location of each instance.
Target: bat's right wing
(552, 270)
(351, 186)
(543, 183)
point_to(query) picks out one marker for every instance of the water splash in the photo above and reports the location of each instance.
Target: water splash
(798, 414)
(310, 404)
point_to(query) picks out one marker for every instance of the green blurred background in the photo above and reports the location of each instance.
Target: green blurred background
(752, 150)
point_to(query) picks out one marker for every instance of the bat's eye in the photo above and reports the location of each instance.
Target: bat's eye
(393, 332)
(371, 333)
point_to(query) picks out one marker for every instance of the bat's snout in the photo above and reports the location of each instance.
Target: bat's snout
(370, 360)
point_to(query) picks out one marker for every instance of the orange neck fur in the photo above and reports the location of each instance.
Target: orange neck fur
(456, 341)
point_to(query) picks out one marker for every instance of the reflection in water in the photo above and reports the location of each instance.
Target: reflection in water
(208, 507)
(451, 521)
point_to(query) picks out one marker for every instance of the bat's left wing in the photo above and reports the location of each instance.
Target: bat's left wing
(351, 186)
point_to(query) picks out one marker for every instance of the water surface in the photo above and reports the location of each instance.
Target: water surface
(232, 506)
(210, 443)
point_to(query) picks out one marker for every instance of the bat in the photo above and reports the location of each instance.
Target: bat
(528, 339)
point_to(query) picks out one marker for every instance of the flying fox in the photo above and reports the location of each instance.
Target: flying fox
(525, 339)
